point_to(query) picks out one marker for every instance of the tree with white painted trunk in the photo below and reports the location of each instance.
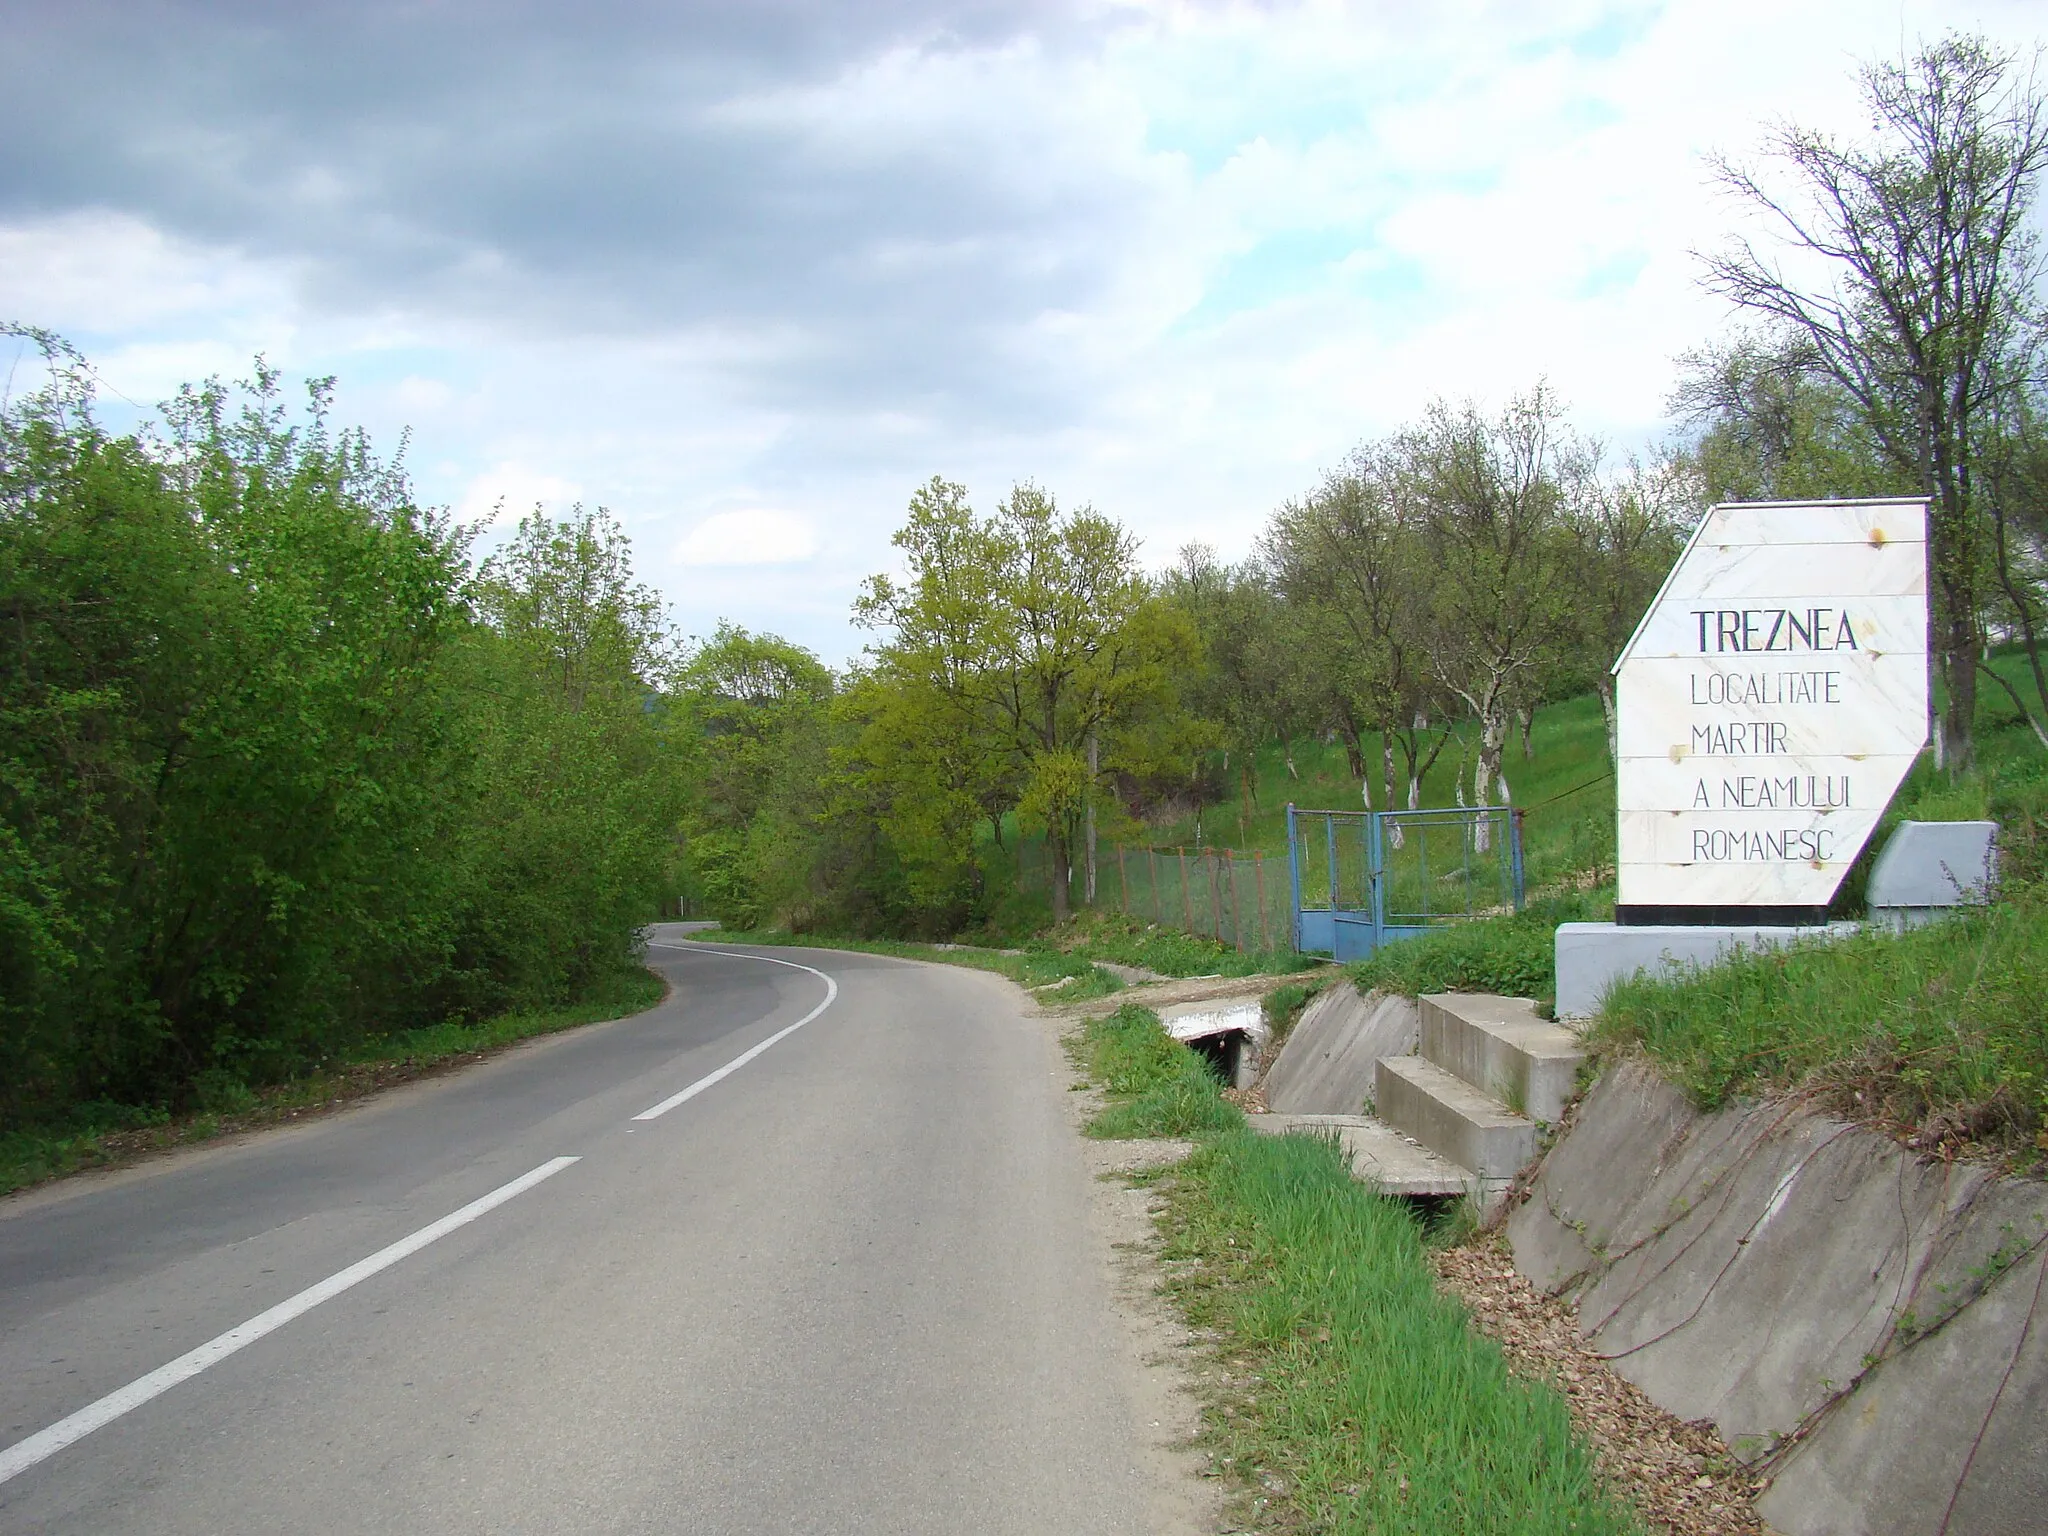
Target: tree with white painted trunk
(1349, 560)
(1489, 495)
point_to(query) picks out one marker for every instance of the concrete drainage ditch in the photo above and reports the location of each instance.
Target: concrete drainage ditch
(1861, 1323)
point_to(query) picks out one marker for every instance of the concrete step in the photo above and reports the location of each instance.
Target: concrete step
(1452, 1118)
(1379, 1154)
(1500, 1047)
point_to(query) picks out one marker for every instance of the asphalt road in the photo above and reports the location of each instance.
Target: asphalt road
(847, 1287)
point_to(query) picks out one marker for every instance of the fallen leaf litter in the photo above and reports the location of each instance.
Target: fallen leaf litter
(1679, 1475)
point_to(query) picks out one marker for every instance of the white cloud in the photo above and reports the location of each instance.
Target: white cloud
(1174, 266)
(508, 491)
(756, 536)
(105, 272)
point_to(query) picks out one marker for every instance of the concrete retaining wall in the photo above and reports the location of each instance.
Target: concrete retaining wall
(1865, 1322)
(1326, 1064)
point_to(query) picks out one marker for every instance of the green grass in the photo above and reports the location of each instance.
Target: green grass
(1123, 940)
(1941, 1033)
(101, 1135)
(1155, 1085)
(1360, 1400)
(1514, 955)
(1283, 1008)
(1565, 787)
(1038, 966)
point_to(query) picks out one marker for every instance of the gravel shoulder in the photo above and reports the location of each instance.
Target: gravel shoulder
(1163, 1355)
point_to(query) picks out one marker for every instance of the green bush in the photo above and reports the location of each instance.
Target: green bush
(281, 769)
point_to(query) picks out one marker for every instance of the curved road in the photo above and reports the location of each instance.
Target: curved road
(848, 1286)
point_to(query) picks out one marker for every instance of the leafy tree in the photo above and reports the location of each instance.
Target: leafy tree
(564, 591)
(1245, 678)
(1626, 533)
(227, 736)
(755, 711)
(578, 780)
(278, 769)
(1491, 505)
(1769, 424)
(1016, 641)
(1349, 559)
(2015, 488)
(1932, 325)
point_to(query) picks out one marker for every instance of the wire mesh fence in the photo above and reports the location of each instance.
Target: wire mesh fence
(1397, 872)
(1236, 898)
(1410, 867)
(1239, 899)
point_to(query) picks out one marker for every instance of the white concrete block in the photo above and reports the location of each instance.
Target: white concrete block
(1591, 957)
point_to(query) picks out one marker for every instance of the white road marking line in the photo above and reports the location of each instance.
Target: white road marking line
(22, 1455)
(831, 992)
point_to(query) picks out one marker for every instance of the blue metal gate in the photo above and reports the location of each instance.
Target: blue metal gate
(1365, 878)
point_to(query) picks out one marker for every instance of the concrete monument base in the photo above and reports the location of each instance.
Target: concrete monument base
(1591, 957)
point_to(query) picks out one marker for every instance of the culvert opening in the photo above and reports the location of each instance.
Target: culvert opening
(1224, 1052)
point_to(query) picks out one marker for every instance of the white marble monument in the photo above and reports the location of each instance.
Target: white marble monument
(1769, 704)
(1767, 707)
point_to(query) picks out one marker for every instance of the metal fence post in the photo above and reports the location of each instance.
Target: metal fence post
(1515, 852)
(1293, 879)
(1187, 900)
(1375, 858)
(1259, 885)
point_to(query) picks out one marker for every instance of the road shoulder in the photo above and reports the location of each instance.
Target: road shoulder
(1161, 1355)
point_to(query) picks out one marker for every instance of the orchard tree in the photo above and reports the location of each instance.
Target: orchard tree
(1491, 501)
(1766, 423)
(1626, 532)
(1350, 559)
(1246, 679)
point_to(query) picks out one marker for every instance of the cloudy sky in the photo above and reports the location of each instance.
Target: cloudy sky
(748, 271)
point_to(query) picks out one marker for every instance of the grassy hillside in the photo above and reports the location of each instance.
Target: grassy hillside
(1566, 787)
(1566, 791)
(1940, 1037)
(1564, 784)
